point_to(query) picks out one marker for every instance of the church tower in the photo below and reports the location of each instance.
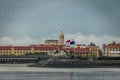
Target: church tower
(61, 38)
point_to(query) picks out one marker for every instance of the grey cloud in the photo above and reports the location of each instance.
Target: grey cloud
(38, 18)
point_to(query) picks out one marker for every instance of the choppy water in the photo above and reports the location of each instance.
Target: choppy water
(21, 72)
(60, 75)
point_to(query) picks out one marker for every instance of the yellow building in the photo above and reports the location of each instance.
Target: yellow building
(51, 42)
(49, 46)
(94, 50)
(60, 41)
(61, 38)
(21, 50)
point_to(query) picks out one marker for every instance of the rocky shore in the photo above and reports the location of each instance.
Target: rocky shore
(77, 64)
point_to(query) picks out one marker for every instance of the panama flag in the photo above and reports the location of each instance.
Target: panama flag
(70, 42)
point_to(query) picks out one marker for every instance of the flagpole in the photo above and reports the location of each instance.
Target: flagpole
(71, 42)
(74, 51)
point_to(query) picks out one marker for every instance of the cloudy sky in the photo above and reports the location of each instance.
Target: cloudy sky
(24, 22)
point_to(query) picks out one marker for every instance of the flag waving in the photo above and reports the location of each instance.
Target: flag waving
(70, 42)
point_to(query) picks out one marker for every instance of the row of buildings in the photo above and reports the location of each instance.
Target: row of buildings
(57, 47)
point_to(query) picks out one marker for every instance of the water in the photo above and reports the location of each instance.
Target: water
(59, 76)
(27, 73)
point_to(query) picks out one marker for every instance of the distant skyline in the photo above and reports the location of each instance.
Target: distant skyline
(24, 22)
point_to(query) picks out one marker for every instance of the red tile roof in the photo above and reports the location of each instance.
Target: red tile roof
(112, 45)
(77, 50)
(5, 47)
(44, 48)
(22, 47)
(81, 50)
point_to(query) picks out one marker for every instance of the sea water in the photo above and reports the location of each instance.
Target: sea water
(32, 73)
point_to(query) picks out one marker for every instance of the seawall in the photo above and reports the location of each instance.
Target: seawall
(78, 64)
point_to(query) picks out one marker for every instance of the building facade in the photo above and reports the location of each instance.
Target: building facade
(51, 47)
(77, 51)
(94, 50)
(60, 40)
(51, 42)
(111, 50)
(21, 50)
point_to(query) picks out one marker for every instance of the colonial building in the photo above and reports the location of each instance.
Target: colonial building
(111, 50)
(49, 47)
(94, 50)
(91, 49)
(77, 51)
(21, 50)
(61, 38)
(60, 41)
(51, 42)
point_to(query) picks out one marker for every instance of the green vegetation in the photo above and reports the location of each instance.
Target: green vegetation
(109, 58)
(80, 64)
(39, 55)
(70, 56)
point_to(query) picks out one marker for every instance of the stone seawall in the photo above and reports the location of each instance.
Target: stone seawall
(78, 64)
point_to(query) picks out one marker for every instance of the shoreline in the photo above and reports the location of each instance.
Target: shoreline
(25, 68)
(15, 65)
(77, 64)
(40, 69)
(67, 64)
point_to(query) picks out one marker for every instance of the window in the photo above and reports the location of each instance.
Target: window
(110, 49)
(117, 49)
(113, 49)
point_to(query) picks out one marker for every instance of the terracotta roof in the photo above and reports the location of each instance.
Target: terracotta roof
(29, 47)
(44, 48)
(5, 47)
(77, 50)
(82, 50)
(111, 46)
(22, 47)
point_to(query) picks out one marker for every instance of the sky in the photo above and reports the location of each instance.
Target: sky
(24, 22)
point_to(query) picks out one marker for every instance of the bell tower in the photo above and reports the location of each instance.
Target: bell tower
(61, 38)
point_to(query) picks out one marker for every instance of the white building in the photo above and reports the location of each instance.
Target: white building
(111, 50)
